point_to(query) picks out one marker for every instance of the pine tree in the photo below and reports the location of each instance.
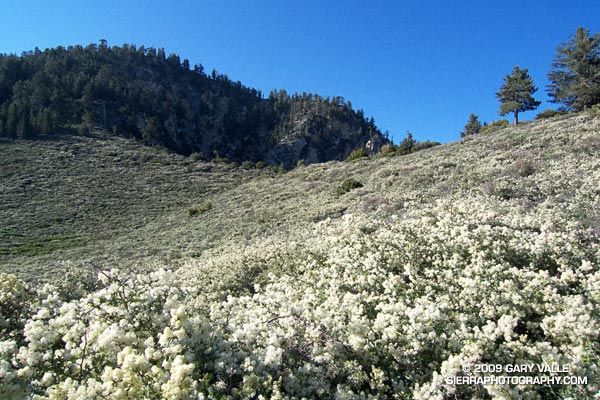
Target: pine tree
(472, 127)
(407, 144)
(87, 122)
(515, 94)
(12, 119)
(575, 73)
(150, 132)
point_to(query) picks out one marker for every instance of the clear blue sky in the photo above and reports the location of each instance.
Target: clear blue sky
(421, 66)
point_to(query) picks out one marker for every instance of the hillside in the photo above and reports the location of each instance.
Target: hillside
(485, 251)
(142, 93)
(73, 195)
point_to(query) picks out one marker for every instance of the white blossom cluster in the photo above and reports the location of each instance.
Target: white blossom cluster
(366, 309)
(134, 338)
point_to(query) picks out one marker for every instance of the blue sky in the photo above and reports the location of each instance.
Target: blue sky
(421, 66)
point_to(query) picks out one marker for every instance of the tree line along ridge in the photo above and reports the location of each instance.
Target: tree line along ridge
(574, 83)
(142, 93)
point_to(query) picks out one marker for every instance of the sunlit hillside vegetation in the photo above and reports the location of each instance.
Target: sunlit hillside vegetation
(378, 278)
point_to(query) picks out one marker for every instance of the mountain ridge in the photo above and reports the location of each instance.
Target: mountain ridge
(158, 99)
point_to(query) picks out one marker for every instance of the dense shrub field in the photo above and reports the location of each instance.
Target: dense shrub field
(481, 253)
(372, 309)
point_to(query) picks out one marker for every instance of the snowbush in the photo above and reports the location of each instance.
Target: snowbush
(368, 309)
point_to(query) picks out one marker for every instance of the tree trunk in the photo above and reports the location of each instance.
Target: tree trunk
(516, 121)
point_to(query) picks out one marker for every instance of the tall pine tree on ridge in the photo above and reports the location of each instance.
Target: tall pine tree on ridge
(575, 73)
(516, 94)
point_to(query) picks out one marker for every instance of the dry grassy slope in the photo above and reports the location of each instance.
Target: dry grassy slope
(76, 198)
(110, 202)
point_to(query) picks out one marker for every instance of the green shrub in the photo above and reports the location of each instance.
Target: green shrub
(300, 163)
(425, 145)
(549, 113)
(197, 156)
(16, 299)
(221, 160)
(522, 168)
(261, 165)
(357, 154)
(278, 169)
(388, 150)
(199, 210)
(348, 185)
(77, 282)
(494, 126)
(594, 110)
(248, 165)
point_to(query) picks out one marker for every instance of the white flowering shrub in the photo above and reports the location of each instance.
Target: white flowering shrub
(388, 310)
(134, 338)
(486, 252)
(15, 303)
(368, 309)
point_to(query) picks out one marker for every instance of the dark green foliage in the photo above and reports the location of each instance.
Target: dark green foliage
(348, 185)
(494, 126)
(221, 160)
(472, 127)
(150, 131)
(549, 113)
(199, 210)
(278, 169)
(516, 94)
(261, 164)
(247, 165)
(425, 145)
(142, 93)
(575, 73)
(407, 144)
(357, 154)
(197, 156)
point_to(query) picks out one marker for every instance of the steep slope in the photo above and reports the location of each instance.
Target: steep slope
(142, 93)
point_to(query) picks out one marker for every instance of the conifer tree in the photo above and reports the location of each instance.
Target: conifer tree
(516, 94)
(575, 73)
(472, 127)
(150, 132)
(407, 144)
